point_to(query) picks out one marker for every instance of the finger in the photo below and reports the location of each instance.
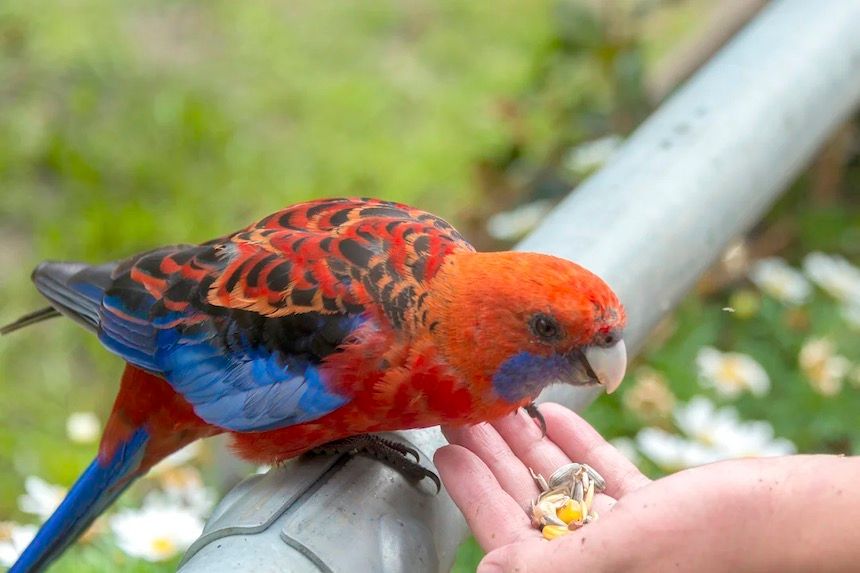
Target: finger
(582, 443)
(513, 476)
(538, 452)
(556, 555)
(596, 547)
(528, 443)
(494, 517)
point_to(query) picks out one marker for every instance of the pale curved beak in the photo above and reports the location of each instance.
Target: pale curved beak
(608, 364)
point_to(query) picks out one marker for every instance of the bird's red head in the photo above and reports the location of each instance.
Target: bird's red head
(512, 323)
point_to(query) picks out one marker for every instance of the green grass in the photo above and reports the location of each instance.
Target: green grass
(125, 125)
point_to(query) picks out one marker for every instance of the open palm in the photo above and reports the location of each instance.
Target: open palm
(734, 515)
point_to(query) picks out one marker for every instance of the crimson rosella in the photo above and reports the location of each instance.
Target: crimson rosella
(327, 320)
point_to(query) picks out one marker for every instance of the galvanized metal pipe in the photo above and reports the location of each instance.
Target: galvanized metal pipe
(703, 169)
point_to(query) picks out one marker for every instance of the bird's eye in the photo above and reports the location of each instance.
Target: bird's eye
(545, 327)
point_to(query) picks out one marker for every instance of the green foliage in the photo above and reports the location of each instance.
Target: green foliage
(774, 336)
(126, 125)
(131, 124)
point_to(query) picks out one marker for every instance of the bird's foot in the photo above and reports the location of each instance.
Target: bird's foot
(532, 410)
(393, 454)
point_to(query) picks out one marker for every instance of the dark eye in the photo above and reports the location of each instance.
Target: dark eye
(545, 327)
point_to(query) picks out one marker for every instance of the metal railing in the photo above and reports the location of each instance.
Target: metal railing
(701, 171)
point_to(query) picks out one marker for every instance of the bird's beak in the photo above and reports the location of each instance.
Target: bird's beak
(608, 364)
(604, 365)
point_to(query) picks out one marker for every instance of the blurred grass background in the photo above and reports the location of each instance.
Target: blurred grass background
(125, 125)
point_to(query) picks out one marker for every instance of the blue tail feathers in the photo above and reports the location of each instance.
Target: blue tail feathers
(99, 485)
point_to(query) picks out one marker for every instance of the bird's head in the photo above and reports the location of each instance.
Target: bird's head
(516, 322)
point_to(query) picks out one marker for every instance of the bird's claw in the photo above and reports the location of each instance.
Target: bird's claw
(393, 454)
(402, 448)
(532, 410)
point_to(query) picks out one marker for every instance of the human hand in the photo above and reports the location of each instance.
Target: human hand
(736, 515)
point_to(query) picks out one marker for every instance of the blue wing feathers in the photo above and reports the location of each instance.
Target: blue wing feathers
(249, 390)
(241, 371)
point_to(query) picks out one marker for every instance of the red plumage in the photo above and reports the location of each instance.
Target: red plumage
(326, 320)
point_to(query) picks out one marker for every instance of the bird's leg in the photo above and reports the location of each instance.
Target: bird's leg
(391, 453)
(532, 410)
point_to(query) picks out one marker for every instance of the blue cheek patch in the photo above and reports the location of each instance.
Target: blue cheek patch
(525, 375)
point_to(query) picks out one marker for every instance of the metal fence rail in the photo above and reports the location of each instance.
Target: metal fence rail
(702, 170)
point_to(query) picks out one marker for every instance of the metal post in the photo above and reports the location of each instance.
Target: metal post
(700, 171)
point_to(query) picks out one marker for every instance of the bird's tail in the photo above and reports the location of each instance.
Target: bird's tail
(73, 289)
(102, 482)
(30, 318)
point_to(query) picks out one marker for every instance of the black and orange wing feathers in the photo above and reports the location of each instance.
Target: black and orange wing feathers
(336, 256)
(239, 325)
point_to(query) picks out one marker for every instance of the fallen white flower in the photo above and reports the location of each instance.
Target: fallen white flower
(156, 532)
(710, 434)
(671, 451)
(822, 366)
(592, 155)
(834, 274)
(176, 459)
(513, 224)
(41, 498)
(14, 538)
(83, 427)
(627, 447)
(776, 278)
(731, 373)
(184, 487)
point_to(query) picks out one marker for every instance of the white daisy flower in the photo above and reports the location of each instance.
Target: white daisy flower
(723, 430)
(851, 314)
(183, 487)
(649, 398)
(779, 280)
(823, 367)
(83, 427)
(627, 447)
(156, 532)
(731, 373)
(41, 498)
(514, 224)
(14, 538)
(710, 435)
(671, 451)
(753, 440)
(176, 459)
(592, 155)
(834, 274)
(700, 420)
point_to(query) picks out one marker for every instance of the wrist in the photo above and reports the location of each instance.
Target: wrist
(798, 514)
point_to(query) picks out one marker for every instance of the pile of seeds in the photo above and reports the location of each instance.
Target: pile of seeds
(564, 504)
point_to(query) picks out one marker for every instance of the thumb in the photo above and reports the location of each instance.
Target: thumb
(592, 548)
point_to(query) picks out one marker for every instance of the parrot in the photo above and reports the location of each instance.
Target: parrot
(315, 329)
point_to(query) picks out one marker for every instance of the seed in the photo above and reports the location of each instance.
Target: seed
(563, 474)
(572, 511)
(553, 531)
